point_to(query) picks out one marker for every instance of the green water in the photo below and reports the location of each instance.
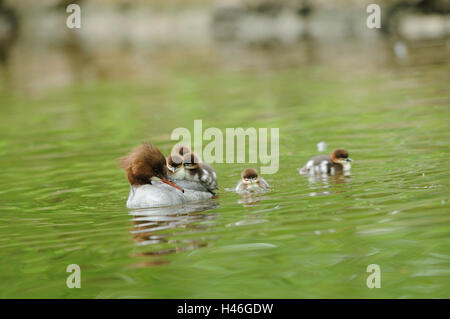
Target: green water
(63, 197)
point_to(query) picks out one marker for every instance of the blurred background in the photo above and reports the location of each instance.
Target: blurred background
(72, 101)
(137, 38)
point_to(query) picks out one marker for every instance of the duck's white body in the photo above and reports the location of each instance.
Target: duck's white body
(191, 185)
(159, 194)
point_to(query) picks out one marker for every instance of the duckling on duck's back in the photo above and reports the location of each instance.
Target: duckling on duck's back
(181, 150)
(175, 167)
(199, 172)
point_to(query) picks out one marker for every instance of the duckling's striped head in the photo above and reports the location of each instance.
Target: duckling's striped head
(249, 176)
(340, 156)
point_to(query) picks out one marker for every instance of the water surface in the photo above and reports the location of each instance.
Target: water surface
(63, 197)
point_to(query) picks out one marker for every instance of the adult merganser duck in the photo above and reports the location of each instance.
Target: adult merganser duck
(251, 182)
(200, 173)
(337, 163)
(146, 171)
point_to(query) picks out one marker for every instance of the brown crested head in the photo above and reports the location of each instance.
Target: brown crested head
(339, 155)
(143, 163)
(191, 161)
(174, 161)
(181, 150)
(249, 173)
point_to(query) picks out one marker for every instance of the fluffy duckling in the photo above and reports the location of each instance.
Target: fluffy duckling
(181, 150)
(251, 182)
(175, 167)
(200, 172)
(339, 162)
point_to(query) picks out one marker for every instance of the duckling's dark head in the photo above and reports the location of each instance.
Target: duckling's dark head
(174, 161)
(191, 161)
(340, 156)
(249, 174)
(181, 150)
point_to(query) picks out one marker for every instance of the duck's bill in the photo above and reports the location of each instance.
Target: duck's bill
(172, 184)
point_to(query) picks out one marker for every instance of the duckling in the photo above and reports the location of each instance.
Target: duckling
(339, 162)
(251, 182)
(200, 172)
(175, 167)
(181, 150)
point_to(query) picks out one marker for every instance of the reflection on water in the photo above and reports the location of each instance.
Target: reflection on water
(9, 30)
(331, 183)
(326, 178)
(120, 41)
(249, 199)
(73, 61)
(158, 228)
